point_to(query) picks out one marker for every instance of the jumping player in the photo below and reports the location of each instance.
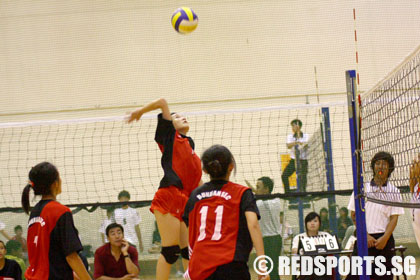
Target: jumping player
(53, 242)
(223, 223)
(182, 174)
(415, 190)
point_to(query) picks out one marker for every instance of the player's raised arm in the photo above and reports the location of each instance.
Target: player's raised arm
(157, 104)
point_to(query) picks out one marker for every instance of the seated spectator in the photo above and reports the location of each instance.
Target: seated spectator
(325, 222)
(343, 223)
(9, 269)
(312, 226)
(117, 258)
(19, 237)
(348, 241)
(14, 252)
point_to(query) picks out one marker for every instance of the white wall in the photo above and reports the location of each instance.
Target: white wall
(72, 54)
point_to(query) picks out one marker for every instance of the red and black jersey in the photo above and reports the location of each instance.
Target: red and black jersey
(218, 231)
(181, 166)
(51, 237)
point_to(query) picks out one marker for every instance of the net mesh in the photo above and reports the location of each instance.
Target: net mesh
(99, 157)
(390, 114)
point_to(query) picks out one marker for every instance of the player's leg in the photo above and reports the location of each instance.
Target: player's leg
(169, 229)
(183, 243)
(303, 174)
(288, 171)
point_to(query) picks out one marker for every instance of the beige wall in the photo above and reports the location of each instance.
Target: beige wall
(72, 54)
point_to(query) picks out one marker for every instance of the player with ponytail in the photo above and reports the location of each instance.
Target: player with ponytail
(222, 219)
(53, 242)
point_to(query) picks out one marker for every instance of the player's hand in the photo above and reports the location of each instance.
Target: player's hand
(380, 243)
(128, 277)
(134, 116)
(371, 241)
(124, 247)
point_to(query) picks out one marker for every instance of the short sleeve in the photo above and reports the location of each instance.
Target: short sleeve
(249, 203)
(397, 211)
(163, 130)
(69, 239)
(351, 205)
(136, 217)
(289, 139)
(98, 266)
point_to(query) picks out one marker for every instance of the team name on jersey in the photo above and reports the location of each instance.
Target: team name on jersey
(202, 195)
(37, 220)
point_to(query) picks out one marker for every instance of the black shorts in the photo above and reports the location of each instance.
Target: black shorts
(233, 270)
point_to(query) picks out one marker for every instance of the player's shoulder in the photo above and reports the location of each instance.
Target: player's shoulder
(57, 207)
(236, 185)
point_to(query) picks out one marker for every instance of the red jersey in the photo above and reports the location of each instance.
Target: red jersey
(51, 237)
(181, 165)
(218, 233)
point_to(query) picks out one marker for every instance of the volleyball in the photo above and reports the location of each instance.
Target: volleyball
(184, 20)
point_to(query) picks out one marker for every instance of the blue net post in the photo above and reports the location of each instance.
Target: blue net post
(329, 168)
(326, 133)
(300, 202)
(359, 202)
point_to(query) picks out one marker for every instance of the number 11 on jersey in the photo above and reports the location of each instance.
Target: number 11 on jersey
(217, 225)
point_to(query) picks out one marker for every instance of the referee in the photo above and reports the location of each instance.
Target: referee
(381, 220)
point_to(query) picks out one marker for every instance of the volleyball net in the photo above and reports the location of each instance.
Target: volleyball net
(390, 117)
(99, 157)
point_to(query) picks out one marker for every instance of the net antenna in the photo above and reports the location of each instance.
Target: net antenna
(390, 113)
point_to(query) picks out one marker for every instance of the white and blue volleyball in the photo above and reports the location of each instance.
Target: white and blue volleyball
(184, 20)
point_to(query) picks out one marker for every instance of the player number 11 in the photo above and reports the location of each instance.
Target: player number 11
(217, 226)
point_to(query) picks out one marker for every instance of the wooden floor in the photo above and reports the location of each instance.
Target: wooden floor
(255, 277)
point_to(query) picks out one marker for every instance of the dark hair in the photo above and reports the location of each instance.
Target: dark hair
(216, 161)
(323, 209)
(17, 228)
(268, 183)
(124, 194)
(297, 121)
(13, 245)
(1, 241)
(345, 210)
(41, 177)
(383, 156)
(111, 226)
(310, 217)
